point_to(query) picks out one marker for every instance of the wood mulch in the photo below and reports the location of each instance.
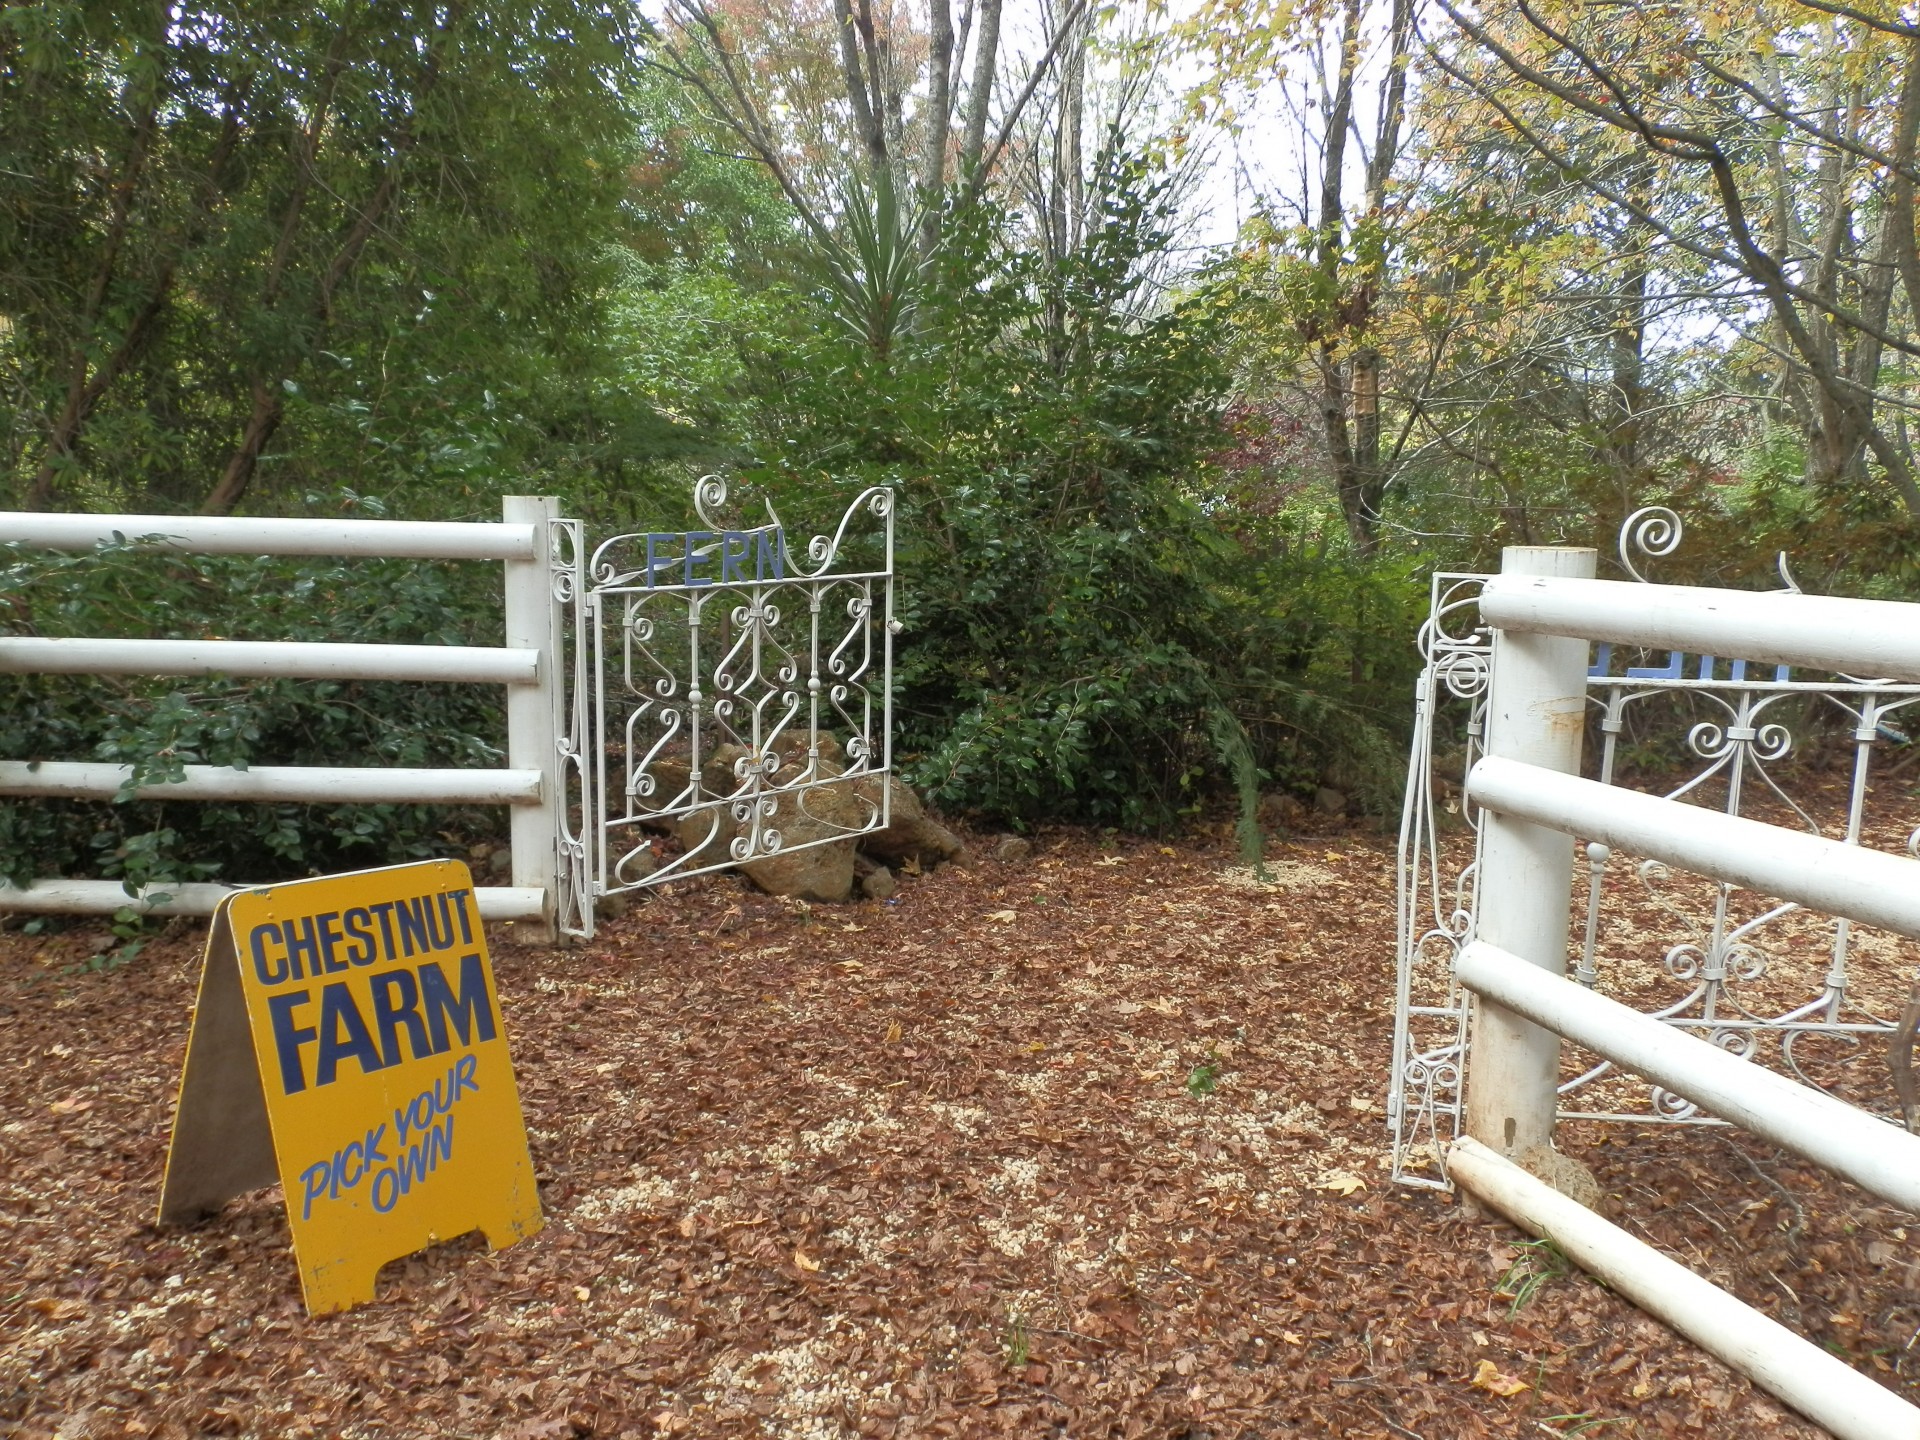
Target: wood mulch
(1089, 1145)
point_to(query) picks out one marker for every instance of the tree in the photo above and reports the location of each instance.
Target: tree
(820, 94)
(1334, 261)
(206, 212)
(1776, 146)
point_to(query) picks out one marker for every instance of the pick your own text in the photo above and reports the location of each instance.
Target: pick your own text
(423, 1137)
(413, 1009)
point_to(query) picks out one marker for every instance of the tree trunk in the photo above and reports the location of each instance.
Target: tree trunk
(238, 475)
(866, 120)
(268, 384)
(933, 169)
(65, 433)
(980, 92)
(1073, 81)
(1349, 481)
(65, 429)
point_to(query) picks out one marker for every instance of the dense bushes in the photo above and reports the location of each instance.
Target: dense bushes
(1093, 633)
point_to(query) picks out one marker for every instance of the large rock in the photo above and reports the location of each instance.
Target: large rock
(1565, 1174)
(821, 872)
(875, 881)
(1013, 849)
(825, 813)
(911, 833)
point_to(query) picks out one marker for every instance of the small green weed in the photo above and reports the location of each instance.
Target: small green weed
(1017, 1342)
(1202, 1079)
(1538, 1265)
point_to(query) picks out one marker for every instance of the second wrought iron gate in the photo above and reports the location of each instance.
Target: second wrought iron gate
(730, 696)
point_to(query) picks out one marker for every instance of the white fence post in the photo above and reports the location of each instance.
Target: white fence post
(1536, 712)
(533, 711)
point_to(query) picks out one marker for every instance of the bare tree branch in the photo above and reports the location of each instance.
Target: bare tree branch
(1061, 32)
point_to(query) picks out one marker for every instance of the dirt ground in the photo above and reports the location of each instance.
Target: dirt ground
(1090, 1145)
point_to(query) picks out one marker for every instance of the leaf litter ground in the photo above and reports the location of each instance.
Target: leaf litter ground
(1087, 1146)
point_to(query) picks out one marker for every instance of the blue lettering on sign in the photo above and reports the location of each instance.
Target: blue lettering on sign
(1675, 667)
(433, 1012)
(424, 1006)
(688, 558)
(422, 1139)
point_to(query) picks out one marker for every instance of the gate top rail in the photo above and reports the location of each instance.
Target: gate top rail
(250, 535)
(1855, 637)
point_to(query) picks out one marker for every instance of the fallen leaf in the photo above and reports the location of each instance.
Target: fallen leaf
(1005, 917)
(72, 1105)
(1292, 1337)
(1344, 1181)
(805, 1261)
(1490, 1377)
(581, 1292)
(893, 1033)
(58, 1309)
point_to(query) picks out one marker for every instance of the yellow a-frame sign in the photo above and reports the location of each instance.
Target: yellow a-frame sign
(348, 1043)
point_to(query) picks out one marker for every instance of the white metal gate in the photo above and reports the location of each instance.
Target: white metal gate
(1770, 985)
(1739, 1037)
(741, 693)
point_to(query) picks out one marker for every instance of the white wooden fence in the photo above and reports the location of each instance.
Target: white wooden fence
(529, 666)
(1545, 607)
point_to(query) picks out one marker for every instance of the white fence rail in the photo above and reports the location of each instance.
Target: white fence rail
(1820, 1386)
(529, 665)
(103, 897)
(1809, 1122)
(1870, 886)
(263, 659)
(226, 535)
(1545, 611)
(1858, 637)
(295, 784)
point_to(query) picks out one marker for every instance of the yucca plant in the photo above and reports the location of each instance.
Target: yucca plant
(873, 275)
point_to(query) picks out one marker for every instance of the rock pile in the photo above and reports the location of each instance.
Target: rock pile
(829, 820)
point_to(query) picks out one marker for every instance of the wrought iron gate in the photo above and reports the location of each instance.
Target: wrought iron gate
(1769, 983)
(730, 700)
